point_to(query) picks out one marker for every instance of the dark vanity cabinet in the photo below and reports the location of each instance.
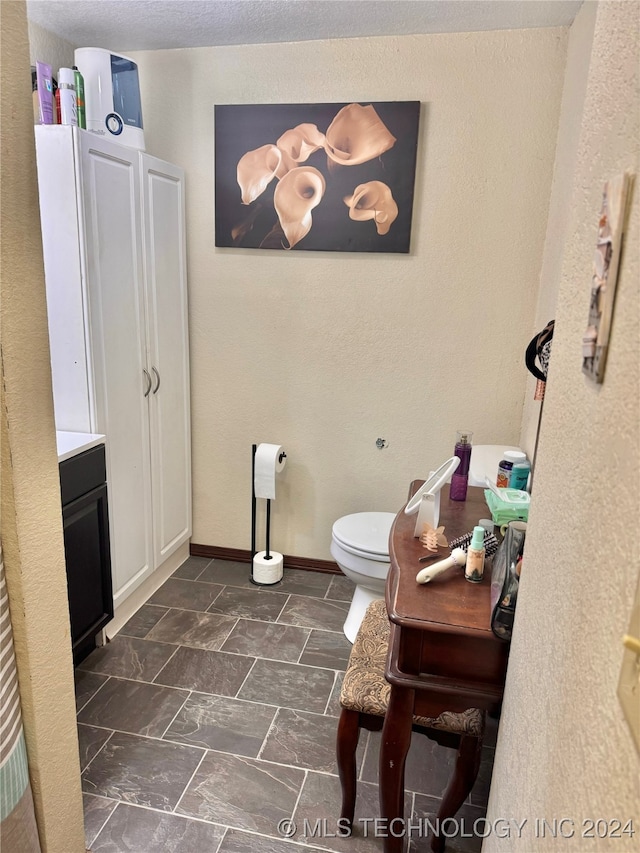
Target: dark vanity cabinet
(86, 543)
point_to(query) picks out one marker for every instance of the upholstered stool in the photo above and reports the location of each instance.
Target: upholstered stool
(365, 698)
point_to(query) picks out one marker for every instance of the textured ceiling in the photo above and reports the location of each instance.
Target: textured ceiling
(158, 24)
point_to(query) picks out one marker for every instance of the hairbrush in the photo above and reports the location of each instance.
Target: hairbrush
(490, 545)
(458, 558)
(490, 542)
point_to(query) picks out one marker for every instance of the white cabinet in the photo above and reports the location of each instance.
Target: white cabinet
(167, 354)
(114, 252)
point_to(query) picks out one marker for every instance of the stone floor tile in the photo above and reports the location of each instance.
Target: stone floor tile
(143, 771)
(134, 707)
(305, 740)
(249, 603)
(228, 573)
(491, 731)
(138, 830)
(480, 792)
(301, 582)
(303, 688)
(267, 640)
(142, 621)
(341, 588)
(86, 685)
(90, 742)
(242, 793)
(187, 595)
(223, 724)
(189, 628)
(462, 835)
(192, 568)
(96, 813)
(318, 810)
(314, 613)
(129, 657)
(333, 707)
(328, 649)
(428, 767)
(205, 671)
(236, 841)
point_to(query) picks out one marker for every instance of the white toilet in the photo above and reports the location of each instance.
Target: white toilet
(360, 547)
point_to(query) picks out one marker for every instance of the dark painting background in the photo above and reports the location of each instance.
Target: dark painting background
(241, 128)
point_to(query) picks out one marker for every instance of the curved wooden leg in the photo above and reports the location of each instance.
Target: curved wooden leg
(462, 781)
(396, 738)
(346, 745)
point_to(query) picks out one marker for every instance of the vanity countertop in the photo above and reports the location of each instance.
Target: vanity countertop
(72, 443)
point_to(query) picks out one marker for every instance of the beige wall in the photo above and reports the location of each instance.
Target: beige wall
(31, 516)
(560, 209)
(46, 47)
(324, 353)
(366, 346)
(564, 749)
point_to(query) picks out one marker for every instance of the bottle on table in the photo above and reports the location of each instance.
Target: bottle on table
(520, 476)
(474, 567)
(460, 478)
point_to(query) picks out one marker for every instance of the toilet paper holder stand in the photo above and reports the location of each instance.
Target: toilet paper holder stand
(254, 507)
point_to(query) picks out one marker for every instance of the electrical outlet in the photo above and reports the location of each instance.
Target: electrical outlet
(629, 683)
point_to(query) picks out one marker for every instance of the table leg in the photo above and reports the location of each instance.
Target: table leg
(346, 745)
(396, 738)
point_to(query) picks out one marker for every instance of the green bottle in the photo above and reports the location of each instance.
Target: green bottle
(79, 81)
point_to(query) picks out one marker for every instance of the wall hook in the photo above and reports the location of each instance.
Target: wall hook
(381, 443)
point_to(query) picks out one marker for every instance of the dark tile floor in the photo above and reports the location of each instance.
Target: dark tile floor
(211, 718)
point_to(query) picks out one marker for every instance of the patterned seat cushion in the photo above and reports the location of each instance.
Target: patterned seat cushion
(366, 690)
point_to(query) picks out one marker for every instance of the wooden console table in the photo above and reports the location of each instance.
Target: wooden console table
(443, 655)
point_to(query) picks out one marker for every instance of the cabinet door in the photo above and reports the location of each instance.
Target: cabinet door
(166, 289)
(113, 245)
(86, 546)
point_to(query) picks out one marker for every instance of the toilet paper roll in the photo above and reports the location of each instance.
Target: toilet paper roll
(268, 571)
(270, 460)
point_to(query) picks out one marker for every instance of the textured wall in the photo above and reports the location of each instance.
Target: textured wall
(324, 352)
(560, 209)
(31, 518)
(49, 48)
(564, 749)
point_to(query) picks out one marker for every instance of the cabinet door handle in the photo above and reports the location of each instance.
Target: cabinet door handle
(155, 390)
(148, 391)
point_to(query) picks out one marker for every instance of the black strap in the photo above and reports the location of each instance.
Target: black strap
(534, 349)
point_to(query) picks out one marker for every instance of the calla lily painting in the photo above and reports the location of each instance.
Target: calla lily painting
(316, 177)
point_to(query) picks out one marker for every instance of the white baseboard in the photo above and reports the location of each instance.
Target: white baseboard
(141, 595)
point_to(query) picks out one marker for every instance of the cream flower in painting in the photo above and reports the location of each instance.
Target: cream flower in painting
(295, 196)
(257, 168)
(373, 200)
(356, 135)
(300, 142)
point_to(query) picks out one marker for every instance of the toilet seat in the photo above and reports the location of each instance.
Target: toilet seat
(365, 534)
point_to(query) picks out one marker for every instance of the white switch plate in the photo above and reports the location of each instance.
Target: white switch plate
(629, 683)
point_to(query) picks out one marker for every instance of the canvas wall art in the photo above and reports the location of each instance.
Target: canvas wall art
(604, 277)
(316, 177)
